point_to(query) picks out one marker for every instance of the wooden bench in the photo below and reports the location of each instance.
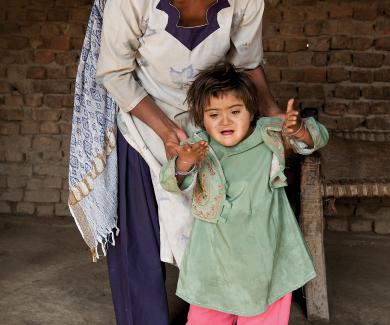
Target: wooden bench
(353, 164)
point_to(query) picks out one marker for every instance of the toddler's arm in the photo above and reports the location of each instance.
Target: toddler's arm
(294, 127)
(177, 174)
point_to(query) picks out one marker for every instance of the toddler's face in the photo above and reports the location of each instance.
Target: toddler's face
(226, 119)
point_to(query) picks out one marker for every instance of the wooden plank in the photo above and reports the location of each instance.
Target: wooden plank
(312, 224)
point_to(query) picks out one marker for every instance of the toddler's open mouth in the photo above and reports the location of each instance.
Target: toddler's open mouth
(227, 132)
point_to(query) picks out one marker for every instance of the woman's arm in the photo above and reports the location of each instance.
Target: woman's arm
(149, 113)
(268, 105)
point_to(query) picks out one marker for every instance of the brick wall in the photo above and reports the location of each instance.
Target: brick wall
(332, 55)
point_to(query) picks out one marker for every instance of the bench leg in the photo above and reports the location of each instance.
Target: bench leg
(312, 224)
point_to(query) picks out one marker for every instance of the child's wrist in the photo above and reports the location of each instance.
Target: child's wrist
(183, 166)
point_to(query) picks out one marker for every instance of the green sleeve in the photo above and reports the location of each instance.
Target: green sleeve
(318, 133)
(168, 179)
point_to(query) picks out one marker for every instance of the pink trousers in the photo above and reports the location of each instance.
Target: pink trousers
(276, 314)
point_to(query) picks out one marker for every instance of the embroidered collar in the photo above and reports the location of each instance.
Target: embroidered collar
(191, 37)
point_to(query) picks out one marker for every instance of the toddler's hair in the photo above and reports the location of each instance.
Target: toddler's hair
(216, 82)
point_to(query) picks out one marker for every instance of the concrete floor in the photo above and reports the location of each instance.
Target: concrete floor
(46, 277)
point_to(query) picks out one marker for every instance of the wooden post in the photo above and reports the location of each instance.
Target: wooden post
(312, 224)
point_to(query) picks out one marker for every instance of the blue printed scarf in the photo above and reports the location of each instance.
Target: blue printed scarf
(93, 174)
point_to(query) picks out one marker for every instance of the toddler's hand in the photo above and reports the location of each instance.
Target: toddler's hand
(292, 122)
(190, 154)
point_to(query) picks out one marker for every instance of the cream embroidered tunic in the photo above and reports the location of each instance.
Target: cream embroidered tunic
(144, 51)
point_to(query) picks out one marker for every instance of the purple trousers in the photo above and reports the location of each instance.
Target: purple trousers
(137, 276)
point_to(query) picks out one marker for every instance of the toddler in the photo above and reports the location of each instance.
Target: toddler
(246, 253)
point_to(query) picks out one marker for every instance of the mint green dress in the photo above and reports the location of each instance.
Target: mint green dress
(253, 253)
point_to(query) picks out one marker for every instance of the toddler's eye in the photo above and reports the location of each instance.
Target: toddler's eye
(236, 112)
(213, 115)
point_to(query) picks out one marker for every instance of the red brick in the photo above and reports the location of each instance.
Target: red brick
(329, 121)
(382, 26)
(44, 57)
(9, 28)
(317, 11)
(12, 195)
(353, 27)
(276, 60)
(320, 59)
(382, 75)
(33, 100)
(49, 128)
(294, 15)
(272, 15)
(50, 30)
(270, 30)
(16, 14)
(79, 14)
(29, 127)
(361, 43)
(71, 71)
(14, 114)
(315, 75)
(350, 122)
(73, 30)
(25, 208)
(383, 43)
(273, 45)
(380, 108)
(340, 11)
(76, 43)
(291, 28)
(68, 100)
(42, 196)
(343, 58)
(71, 57)
(44, 142)
(376, 92)
(5, 87)
(313, 91)
(36, 15)
(365, 13)
(53, 86)
(314, 28)
(58, 14)
(364, 76)
(321, 44)
(56, 73)
(368, 60)
(299, 59)
(283, 91)
(335, 109)
(14, 101)
(292, 75)
(65, 128)
(8, 128)
(53, 101)
(359, 108)
(36, 73)
(17, 43)
(341, 42)
(348, 92)
(60, 43)
(294, 45)
(46, 115)
(337, 74)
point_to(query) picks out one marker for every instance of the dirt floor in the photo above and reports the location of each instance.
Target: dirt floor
(46, 277)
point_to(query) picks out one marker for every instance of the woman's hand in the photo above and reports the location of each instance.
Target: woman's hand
(172, 141)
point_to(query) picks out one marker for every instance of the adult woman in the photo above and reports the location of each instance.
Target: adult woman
(150, 51)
